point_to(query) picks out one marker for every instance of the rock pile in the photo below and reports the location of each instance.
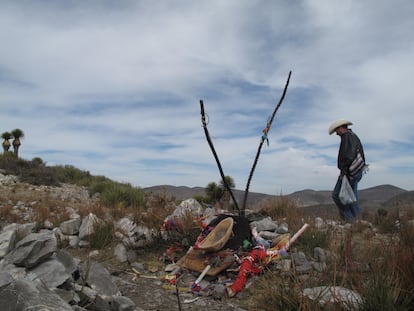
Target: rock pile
(35, 274)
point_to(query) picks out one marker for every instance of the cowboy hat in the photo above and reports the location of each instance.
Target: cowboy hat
(337, 124)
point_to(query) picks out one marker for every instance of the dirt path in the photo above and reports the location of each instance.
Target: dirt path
(149, 294)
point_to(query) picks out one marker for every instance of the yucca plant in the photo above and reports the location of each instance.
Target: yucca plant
(17, 135)
(6, 143)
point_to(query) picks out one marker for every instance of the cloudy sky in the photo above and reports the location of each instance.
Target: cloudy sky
(113, 87)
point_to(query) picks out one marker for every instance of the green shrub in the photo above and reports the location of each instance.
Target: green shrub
(384, 290)
(102, 236)
(312, 238)
(72, 175)
(124, 195)
(33, 172)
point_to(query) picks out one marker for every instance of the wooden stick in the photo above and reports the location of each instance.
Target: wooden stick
(223, 177)
(265, 132)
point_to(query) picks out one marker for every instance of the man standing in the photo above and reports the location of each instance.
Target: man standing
(351, 163)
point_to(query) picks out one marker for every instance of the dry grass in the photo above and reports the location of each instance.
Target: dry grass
(380, 268)
(283, 208)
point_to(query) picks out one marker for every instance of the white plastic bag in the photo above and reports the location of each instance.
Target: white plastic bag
(346, 194)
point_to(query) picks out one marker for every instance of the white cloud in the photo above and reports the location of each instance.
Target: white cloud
(114, 88)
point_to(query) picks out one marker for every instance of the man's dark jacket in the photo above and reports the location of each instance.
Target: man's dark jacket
(350, 146)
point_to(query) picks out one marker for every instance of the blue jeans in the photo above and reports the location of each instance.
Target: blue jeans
(349, 211)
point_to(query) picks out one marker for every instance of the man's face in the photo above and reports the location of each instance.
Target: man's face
(340, 130)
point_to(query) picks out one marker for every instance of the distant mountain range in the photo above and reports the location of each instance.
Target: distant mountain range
(385, 196)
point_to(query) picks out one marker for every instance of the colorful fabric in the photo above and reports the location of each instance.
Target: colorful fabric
(251, 265)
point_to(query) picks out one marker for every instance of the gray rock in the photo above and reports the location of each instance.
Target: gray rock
(77, 308)
(103, 303)
(189, 206)
(265, 224)
(7, 240)
(299, 258)
(26, 295)
(70, 263)
(33, 249)
(73, 241)
(86, 291)
(284, 265)
(52, 272)
(15, 272)
(131, 255)
(138, 266)
(87, 226)
(120, 252)
(326, 295)
(99, 279)
(304, 269)
(319, 254)
(70, 296)
(319, 223)
(283, 228)
(71, 226)
(83, 244)
(121, 303)
(269, 235)
(219, 291)
(5, 279)
(47, 224)
(26, 229)
(302, 264)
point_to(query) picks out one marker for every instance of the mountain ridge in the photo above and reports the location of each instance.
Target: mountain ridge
(375, 196)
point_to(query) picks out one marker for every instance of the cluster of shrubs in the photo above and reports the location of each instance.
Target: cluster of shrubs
(36, 172)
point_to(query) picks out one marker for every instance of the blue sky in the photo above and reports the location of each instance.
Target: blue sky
(113, 87)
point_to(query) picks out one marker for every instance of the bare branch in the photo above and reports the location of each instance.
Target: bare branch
(264, 137)
(223, 177)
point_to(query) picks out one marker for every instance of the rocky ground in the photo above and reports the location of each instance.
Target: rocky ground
(148, 291)
(140, 278)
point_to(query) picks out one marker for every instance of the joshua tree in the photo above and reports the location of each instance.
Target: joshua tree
(218, 193)
(213, 192)
(6, 144)
(17, 134)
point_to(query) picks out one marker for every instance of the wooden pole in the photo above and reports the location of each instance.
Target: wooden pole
(210, 142)
(264, 137)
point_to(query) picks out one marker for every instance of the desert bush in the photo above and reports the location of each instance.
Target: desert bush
(102, 235)
(153, 214)
(112, 194)
(7, 215)
(312, 238)
(272, 292)
(51, 212)
(386, 221)
(34, 172)
(276, 291)
(72, 175)
(123, 195)
(384, 287)
(281, 207)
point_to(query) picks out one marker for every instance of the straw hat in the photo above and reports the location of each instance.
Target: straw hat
(218, 237)
(337, 124)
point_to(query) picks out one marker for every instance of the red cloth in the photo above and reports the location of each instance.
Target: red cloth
(252, 264)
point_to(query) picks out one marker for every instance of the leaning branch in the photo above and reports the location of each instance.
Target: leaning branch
(223, 177)
(264, 137)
